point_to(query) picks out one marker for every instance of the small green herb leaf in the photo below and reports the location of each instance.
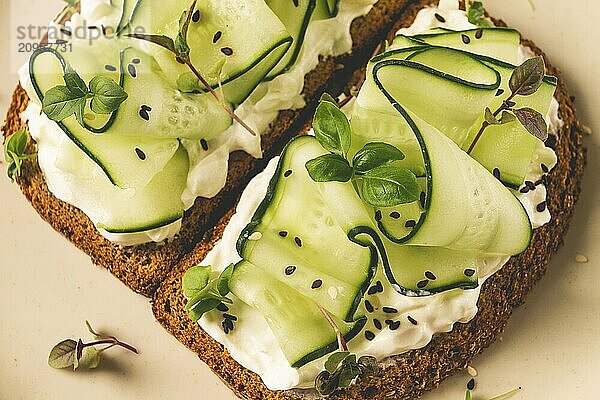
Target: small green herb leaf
(63, 355)
(388, 186)
(326, 383)
(490, 118)
(476, 15)
(160, 40)
(374, 155)
(90, 358)
(332, 128)
(107, 95)
(205, 294)
(468, 395)
(334, 360)
(60, 103)
(74, 82)
(507, 117)
(368, 365)
(527, 78)
(348, 373)
(14, 152)
(327, 97)
(71, 3)
(194, 280)
(507, 395)
(533, 121)
(329, 168)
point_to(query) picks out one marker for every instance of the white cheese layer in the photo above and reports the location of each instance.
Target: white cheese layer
(208, 169)
(252, 342)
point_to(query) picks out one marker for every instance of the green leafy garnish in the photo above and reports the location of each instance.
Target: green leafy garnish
(525, 80)
(476, 14)
(504, 396)
(77, 354)
(14, 152)
(341, 368)
(204, 293)
(379, 182)
(60, 102)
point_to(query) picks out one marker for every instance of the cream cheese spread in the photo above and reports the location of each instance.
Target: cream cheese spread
(254, 346)
(208, 169)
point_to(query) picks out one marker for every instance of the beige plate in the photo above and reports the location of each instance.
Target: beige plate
(48, 288)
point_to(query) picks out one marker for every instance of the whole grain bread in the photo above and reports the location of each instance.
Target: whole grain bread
(408, 375)
(144, 267)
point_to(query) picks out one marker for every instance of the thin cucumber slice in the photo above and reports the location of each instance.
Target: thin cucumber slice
(403, 42)
(127, 8)
(310, 251)
(218, 38)
(499, 43)
(326, 9)
(128, 161)
(452, 175)
(296, 321)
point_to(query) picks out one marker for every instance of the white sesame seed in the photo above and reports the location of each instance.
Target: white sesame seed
(332, 292)
(580, 258)
(471, 371)
(255, 236)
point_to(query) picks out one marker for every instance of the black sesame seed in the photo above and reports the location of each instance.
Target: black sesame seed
(539, 182)
(316, 284)
(377, 324)
(423, 283)
(496, 173)
(412, 320)
(479, 34)
(222, 307)
(440, 18)
(471, 384)
(283, 234)
(372, 290)
(465, 39)
(378, 215)
(287, 173)
(196, 16)
(469, 272)
(228, 51)
(390, 310)
(132, 71)
(500, 92)
(110, 68)
(229, 316)
(145, 107)
(136, 61)
(544, 168)
(204, 144)
(395, 214)
(369, 306)
(422, 197)
(530, 185)
(379, 286)
(411, 223)
(296, 3)
(524, 189)
(430, 275)
(290, 269)
(217, 36)
(66, 31)
(541, 207)
(369, 335)
(394, 325)
(144, 114)
(141, 155)
(298, 241)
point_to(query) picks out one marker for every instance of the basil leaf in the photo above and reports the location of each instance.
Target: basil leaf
(223, 281)
(533, 121)
(328, 168)
(63, 355)
(60, 103)
(374, 155)
(476, 15)
(160, 40)
(74, 82)
(107, 95)
(389, 186)
(334, 360)
(527, 78)
(332, 128)
(194, 280)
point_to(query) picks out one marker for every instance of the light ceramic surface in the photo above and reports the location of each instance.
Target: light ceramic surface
(48, 288)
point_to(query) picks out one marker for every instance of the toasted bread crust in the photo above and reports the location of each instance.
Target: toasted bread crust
(412, 373)
(144, 267)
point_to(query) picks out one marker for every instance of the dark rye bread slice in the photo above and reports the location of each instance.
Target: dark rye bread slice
(144, 267)
(408, 375)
